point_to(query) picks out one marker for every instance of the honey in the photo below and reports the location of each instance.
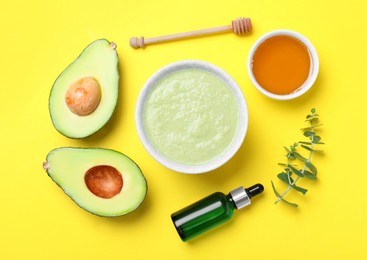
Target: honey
(281, 64)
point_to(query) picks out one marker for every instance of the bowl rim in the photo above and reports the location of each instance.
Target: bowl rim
(241, 127)
(314, 67)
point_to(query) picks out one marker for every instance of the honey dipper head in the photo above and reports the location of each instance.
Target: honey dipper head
(241, 25)
(136, 42)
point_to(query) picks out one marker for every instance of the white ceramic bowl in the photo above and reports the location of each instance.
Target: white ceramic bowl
(241, 128)
(314, 65)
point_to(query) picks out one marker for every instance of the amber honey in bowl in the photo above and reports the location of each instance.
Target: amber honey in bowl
(282, 63)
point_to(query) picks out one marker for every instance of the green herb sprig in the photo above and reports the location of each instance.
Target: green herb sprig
(307, 169)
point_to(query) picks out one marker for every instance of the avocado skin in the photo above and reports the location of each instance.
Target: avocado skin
(71, 197)
(115, 101)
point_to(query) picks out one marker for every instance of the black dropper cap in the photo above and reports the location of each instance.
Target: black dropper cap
(254, 190)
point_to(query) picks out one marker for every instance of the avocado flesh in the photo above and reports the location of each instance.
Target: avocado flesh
(67, 167)
(100, 61)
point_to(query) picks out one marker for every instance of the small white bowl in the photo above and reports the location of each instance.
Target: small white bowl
(314, 65)
(239, 134)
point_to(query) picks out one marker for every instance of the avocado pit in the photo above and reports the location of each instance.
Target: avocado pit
(104, 181)
(83, 96)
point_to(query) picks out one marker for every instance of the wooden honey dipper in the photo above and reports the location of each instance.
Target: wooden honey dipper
(239, 26)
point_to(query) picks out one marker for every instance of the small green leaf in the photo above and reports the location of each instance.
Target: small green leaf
(307, 143)
(290, 156)
(275, 191)
(294, 165)
(316, 138)
(311, 167)
(285, 178)
(318, 125)
(312, 119)
(297, 172)
(294, 205)
(307, 148)
(308, 133)
(293, 147)
(310, 127)
(313, 110)
(300, 157)
(299, 189)
(311, 149)
(309, 175)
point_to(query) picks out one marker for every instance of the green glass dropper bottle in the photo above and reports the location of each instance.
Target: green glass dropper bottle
(212, 211)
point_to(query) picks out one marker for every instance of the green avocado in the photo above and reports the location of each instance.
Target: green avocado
(102, 181)
(84, 96)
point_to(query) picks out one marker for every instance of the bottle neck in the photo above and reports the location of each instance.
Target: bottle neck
(239, 198)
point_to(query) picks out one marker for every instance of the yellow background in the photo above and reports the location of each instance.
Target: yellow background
(38, 221)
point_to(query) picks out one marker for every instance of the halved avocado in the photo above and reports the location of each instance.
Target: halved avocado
(85, 94)
(102, 181)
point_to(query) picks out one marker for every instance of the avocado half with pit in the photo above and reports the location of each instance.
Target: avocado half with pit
(84, 96)
(102, 181)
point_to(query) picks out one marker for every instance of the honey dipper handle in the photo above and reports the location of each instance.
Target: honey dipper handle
(136, 42)
(239, 26)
